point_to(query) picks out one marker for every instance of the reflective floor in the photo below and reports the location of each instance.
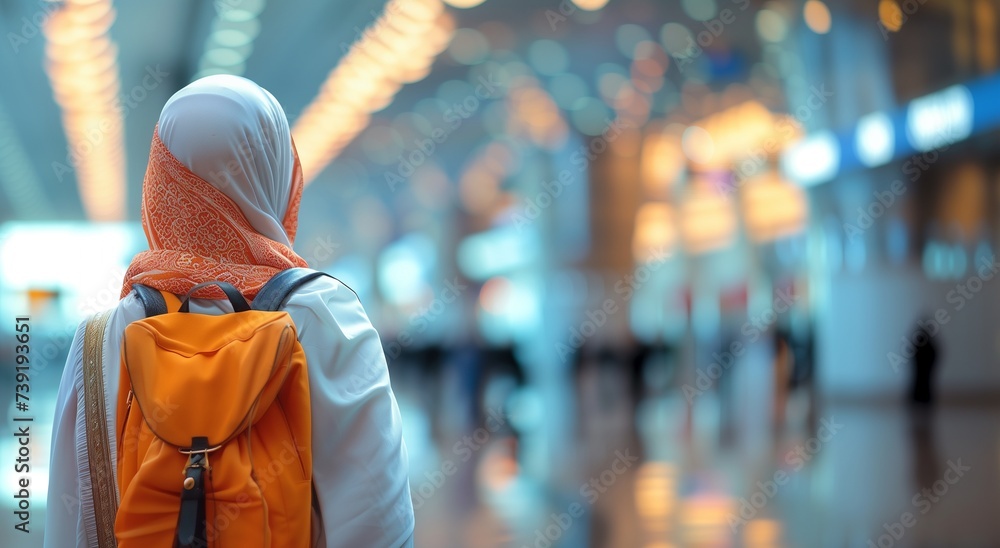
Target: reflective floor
(650, 473)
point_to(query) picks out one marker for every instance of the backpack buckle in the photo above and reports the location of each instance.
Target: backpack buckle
(197, 457)
(195, 460)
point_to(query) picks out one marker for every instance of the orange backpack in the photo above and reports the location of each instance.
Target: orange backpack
(214, 445)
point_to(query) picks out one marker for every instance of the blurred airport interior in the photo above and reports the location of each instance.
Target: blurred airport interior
(648, 273)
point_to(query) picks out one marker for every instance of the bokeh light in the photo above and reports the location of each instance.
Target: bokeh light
(382, 144)
(698, 145)
(628, 36)
(590, 116)
(890, 15)
(817, 16)
(567, 88)
(590, 5)
(700, 10)
(463, 4)
(548, 57)
(771, 25)
(469, 47)
(677, 39)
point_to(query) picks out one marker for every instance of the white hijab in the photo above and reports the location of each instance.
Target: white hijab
(234, 134)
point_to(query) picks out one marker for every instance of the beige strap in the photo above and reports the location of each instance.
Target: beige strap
(102, 476)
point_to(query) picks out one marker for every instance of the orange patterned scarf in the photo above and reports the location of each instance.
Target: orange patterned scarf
(197, 234)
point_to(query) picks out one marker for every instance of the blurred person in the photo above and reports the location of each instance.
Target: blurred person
(220, 201)
(804, 374)
(784, 364)
(728, 415)
(924, 361)
(500, 375)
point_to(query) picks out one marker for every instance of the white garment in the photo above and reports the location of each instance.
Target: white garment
(359, 458)
(233, 133)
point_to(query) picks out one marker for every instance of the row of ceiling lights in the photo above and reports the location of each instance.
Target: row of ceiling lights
(82, 64)
(398, 49)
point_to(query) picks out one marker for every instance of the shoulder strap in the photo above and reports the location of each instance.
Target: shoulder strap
(276, 291)
(102, 476)
(151, 299)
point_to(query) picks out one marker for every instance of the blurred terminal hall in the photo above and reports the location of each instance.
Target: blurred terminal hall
(648, 273)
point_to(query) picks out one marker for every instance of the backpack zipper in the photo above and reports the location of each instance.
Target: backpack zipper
(128, 409)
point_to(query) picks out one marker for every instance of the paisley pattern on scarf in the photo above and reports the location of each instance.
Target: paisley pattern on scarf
(197, 234)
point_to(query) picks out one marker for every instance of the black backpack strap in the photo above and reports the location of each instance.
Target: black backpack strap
(276, 291)
(151, 299)
(191, 520)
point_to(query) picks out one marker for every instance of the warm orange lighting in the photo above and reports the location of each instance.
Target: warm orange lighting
(494, 295)
(400, 49)
(708, 219)
(817, 16)
(656, 495)
(655, 232)
(82, 65)
(773, 208)
(478, 189)
(590, 5)
(762, 533)
(965, 207)
(747, 130)
(699, 147)
(738, 129)
(497, 469)
(662, 162)
(890, 15)
(986, 34)
(536, 113)
(704, 519)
